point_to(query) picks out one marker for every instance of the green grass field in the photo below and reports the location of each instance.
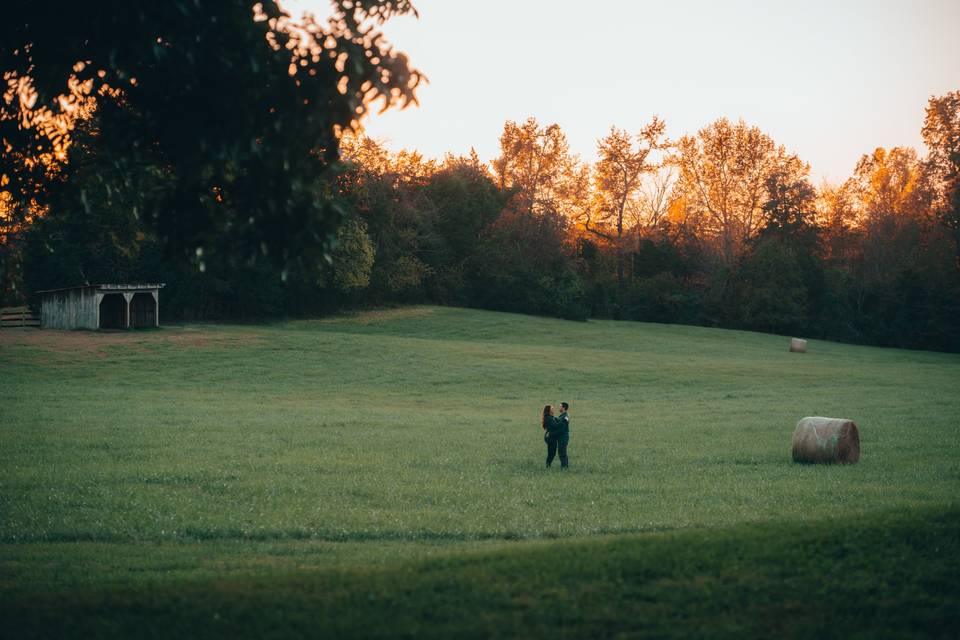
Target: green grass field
(382, 475)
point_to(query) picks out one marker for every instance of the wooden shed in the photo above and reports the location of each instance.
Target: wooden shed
(101, 306)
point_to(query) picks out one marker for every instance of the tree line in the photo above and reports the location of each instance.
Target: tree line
(260, 202)
(719, 228)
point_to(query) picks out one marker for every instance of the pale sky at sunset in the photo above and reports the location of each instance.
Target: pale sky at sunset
(829, 79)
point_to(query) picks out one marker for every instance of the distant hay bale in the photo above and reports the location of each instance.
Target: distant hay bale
(826, 440)
(798, 345)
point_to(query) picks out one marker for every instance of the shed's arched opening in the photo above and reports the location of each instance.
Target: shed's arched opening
(143, 310)
(113, 311)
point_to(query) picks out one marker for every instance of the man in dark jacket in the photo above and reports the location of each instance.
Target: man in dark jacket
(563, 437)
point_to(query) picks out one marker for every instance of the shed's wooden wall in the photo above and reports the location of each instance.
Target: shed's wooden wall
(71, 309)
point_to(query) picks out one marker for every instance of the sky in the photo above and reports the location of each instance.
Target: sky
(830, 80)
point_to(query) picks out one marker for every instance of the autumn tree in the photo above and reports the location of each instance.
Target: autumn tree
(622, 162)
(836, 215)
(891, 203)
(723, 172)
(941, 133)
(537, 164)
(891, 183)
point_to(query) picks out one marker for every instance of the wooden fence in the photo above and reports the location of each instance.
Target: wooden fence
(18, 317)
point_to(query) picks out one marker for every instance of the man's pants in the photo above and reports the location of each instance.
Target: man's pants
(553, 447)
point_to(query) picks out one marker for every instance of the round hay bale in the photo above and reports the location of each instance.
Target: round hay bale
(826, 440)
(798, 345)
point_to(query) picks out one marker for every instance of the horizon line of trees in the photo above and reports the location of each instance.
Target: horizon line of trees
(718, 228)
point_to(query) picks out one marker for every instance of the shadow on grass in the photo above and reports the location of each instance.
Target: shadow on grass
(883, 575)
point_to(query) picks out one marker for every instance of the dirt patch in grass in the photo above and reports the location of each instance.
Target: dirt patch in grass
(372, 316)
(97, 341)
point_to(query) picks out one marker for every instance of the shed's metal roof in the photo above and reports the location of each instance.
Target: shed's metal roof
(111, 287)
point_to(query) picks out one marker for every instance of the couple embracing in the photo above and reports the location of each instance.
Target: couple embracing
(556, 433)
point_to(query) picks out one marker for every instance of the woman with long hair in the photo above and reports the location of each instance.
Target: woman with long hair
(551, 432)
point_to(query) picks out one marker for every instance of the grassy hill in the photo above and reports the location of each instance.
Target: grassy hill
(382, 474)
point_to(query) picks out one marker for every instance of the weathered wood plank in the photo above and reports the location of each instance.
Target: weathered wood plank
(18, 317)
